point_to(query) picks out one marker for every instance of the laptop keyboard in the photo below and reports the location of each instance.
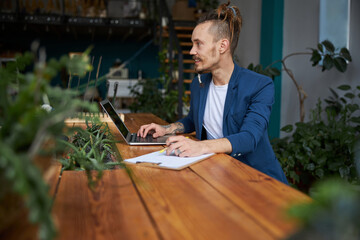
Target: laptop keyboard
(148, 138)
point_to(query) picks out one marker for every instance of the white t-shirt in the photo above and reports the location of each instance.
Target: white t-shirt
(214, 110)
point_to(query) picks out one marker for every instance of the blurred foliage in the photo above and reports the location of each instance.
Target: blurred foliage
(32, 116)
(91, 149)
(326, 145)
(150, 97)
(333, 214)
(157, 95)
(271, 72)
(207, 5)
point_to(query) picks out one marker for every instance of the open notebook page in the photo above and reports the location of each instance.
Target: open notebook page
(160, 159)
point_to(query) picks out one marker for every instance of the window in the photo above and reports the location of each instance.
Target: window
(335, 22)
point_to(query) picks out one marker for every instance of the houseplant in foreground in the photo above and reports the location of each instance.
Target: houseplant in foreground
(29, 131)
(334, 214)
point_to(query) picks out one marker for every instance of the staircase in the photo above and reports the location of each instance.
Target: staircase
(178, 60)
(183, 34)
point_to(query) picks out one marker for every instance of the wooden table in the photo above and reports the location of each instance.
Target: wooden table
(218, 198)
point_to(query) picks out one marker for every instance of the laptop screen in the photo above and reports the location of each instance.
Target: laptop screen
(115, 117)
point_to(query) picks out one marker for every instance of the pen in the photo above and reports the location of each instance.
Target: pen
(164, 149)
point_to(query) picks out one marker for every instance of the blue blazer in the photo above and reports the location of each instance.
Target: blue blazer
(245, 121)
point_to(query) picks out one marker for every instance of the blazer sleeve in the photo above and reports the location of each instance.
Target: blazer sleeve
(256, 119)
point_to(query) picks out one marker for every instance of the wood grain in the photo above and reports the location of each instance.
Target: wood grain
(28, 230)
(52, 177)
(257, 199)
(218, 198)
(263, 198)
(112, 211)
(184, 206)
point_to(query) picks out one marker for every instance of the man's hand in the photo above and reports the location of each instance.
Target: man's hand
(185, 147)
(156, 130)
(159, 130)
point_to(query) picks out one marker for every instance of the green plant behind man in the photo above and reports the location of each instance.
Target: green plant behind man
(325, 146)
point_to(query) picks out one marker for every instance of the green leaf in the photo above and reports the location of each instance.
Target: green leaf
(258, 68)
(355, 120)
(329, 46)
(315, 58)
(310, 167)
(287, 128)
(319, 173)
(344, 87)
(274, 71)
(344, 52)
(353, 107)
(349, 95)
(340, 64)
(328, 62)
(334, 93)
(251, 66)
(320, 47)
(321, 160)
(294, 176)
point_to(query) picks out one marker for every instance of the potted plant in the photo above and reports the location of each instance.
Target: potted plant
(91, 149)
(326, 145)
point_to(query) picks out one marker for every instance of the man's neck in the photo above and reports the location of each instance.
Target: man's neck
(222, 74)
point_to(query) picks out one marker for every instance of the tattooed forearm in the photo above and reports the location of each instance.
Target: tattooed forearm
(179, 128)
(174, 128)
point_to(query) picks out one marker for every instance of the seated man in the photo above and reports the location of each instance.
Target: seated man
(230, 106)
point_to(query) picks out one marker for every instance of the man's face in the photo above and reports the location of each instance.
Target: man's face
(204, 50)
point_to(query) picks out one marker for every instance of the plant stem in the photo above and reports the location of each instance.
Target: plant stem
(301, 93)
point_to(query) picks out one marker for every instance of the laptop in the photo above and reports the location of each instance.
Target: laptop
(130, 138)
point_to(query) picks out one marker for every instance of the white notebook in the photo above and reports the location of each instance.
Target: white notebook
(161, 160)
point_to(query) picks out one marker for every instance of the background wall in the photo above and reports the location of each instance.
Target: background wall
(248, 50)
(301, 31)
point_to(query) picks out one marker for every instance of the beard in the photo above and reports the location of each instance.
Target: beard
(196, 68)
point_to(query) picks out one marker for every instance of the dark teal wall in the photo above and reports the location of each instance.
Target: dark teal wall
(146, 61)
(271, 51)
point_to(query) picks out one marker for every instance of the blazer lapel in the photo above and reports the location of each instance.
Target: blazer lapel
(203, 96)
(230, 96)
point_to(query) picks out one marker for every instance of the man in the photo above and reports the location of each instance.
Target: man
(230, 106)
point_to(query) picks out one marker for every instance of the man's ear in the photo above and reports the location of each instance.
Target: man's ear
(224, 45)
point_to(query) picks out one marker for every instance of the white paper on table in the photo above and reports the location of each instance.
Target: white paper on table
(160, 159)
